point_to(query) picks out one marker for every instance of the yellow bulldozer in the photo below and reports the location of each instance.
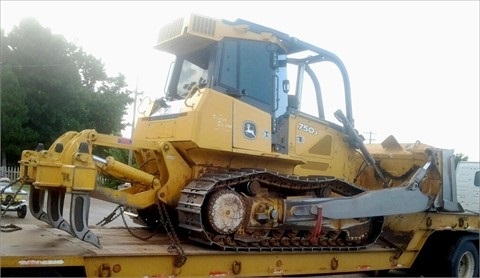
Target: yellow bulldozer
(228, 157)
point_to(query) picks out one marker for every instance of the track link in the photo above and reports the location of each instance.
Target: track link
(195, 195)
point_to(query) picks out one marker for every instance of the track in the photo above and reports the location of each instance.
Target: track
(204, 198)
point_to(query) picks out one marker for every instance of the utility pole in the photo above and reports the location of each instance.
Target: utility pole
(370, 139)
(130, 152)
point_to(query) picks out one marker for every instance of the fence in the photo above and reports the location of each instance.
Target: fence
(10, 172)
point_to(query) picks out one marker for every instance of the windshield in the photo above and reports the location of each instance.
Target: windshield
(190, 76)
(183, 76)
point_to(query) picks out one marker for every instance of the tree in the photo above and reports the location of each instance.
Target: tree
(460, 157)
(50, 86)
(15, 135)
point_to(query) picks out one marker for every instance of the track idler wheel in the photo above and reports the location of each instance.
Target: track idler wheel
(226, 211)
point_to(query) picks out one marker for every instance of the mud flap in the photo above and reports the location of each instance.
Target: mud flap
(79, 209)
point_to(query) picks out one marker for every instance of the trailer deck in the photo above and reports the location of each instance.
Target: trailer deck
(125, 255)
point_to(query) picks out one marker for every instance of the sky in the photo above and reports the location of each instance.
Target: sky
(413, 65)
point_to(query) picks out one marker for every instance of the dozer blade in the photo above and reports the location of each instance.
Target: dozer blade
(79, 218)
(55, 201)
(36, 199)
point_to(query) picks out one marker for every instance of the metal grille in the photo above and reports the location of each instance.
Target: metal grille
(171, 30)
(203, 25)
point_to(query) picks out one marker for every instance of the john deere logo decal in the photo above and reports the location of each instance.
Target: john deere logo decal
(250, 130)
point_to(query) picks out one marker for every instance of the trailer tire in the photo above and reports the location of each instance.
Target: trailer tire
(464, 260)
(22, 212)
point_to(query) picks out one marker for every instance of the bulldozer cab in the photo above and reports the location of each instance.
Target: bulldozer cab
(258, 65)
(240, 68)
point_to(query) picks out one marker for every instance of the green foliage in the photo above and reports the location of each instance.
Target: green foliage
(120, 155)
(460, 157)
(50, 86)
(14, 115)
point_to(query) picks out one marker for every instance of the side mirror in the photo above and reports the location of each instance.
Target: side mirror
(293, 101)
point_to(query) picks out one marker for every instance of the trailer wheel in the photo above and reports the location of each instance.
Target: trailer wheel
(464, 261)
(22, 212)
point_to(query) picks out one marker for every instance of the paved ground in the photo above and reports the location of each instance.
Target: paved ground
(98, 210)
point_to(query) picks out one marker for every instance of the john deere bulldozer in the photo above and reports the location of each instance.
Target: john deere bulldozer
(229, 157)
